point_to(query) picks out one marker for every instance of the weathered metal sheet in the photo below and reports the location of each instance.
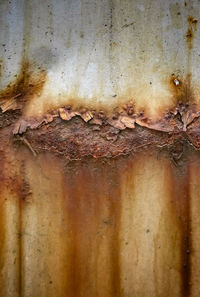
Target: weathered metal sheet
(99, 160)
(101, 52)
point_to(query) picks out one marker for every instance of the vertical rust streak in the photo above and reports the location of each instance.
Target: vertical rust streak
(180, 194)
(115, 213)
(73, 201)
(20, 229)
(2, 221)
(22, 195)
(20, 247)
(190, 34)
(93, 204)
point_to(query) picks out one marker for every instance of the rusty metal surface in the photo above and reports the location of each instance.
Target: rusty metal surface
(99, 151)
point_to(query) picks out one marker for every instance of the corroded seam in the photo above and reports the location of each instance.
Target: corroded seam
(178, 118)
(77, 134)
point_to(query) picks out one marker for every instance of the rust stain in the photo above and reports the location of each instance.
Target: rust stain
(2, 211)
(192, 27)
(180, 203)
(28, 83)
(24, 194)
(1, 67)
(121, 117)
(181, 89)
(93, 204)
(10, 189)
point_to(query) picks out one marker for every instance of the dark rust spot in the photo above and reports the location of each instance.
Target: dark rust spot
(193, 21)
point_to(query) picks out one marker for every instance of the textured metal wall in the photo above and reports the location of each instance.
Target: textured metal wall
(99, 148)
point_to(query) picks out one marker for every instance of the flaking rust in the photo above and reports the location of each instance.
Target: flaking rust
(78, 134)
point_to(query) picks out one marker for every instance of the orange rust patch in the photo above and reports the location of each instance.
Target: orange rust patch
(78, 134)
(28, 84)
(76, 139)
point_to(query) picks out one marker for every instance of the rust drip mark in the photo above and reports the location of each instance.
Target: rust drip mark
(93, 204)
(13, 182)
(1, 67)
(192, 27)
(27, 84)
(181, 204)
(181, 88)
(2, 217)
(24, 193)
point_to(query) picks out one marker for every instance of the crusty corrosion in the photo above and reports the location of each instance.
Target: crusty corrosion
(74, 136)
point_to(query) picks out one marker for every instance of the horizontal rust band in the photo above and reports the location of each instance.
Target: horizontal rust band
(76, 138)
(78, 134)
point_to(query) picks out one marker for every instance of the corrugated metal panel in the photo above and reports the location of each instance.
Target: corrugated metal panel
(99, 161)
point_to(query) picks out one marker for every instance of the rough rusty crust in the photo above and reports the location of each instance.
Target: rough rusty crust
(76, 139)
(9, 117)
(179, 118)
(28, 83)
(77, 134)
